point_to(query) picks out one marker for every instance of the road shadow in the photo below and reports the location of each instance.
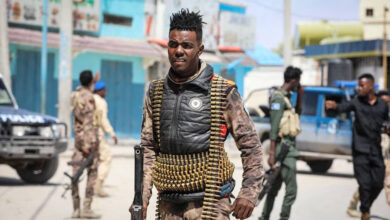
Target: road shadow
(338, 175)
(378, 217)
(7, 181)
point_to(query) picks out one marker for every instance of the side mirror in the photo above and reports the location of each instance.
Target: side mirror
(265, 109)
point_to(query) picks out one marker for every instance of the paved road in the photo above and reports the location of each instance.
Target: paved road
(320, 197)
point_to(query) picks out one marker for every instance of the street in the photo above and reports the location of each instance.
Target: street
(320, 197)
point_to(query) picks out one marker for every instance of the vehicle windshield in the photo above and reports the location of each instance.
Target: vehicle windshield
(309, 104)
(5, 98)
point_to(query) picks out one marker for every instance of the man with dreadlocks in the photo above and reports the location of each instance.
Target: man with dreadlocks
(186, 119)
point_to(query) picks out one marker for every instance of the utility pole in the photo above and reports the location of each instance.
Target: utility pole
(287, 33)
(44, 58)
(65, 64)
(384, 47)
(4, 48)
(160, 19)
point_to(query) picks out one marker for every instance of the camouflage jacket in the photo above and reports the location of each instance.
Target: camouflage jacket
(241, 128)
(85, 130)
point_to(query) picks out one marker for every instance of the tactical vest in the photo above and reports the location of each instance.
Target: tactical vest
(290, 124)
(190, 129)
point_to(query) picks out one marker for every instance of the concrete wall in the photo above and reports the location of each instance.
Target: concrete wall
(370, 65)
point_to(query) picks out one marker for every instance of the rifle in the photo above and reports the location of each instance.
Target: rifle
(83, 164)
(137, 211)
(273, 173)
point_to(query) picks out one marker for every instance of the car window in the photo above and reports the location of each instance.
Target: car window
(5, 98)
(309, 104)
(332, 113)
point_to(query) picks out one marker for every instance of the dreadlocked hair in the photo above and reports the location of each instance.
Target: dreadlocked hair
(184, 20)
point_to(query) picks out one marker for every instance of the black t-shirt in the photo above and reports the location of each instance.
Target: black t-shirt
(368, 123)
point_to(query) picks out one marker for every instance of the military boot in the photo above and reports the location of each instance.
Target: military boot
(87, 211)
(99, 189)
(352, 208)
(76, 208)
(365, 216)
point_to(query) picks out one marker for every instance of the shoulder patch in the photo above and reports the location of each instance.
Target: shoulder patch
(275, 106)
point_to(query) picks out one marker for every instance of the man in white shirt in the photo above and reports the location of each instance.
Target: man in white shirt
(104, 125)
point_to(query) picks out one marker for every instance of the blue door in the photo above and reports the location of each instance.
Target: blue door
(26, 82)
(124, 98)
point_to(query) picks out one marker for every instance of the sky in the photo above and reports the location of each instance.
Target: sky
(269, 15)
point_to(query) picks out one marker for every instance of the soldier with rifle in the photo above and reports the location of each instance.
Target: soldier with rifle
(186, 118)
(285, 126)
(86, 144)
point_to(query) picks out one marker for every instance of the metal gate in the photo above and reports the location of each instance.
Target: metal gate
(124, 97)
(26, 82)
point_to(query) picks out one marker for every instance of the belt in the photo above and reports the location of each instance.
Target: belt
(226, 191)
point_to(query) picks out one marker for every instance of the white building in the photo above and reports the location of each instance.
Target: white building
(372, 18)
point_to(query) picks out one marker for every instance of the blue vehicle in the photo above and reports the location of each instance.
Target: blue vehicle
(325, 134)
(29, 142)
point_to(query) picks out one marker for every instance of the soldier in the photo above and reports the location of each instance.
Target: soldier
(104, 125)
(86, 142)
(370, 113)
(385, 143)
(280, 103)
(186, 119)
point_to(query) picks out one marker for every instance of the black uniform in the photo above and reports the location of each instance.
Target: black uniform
(368, 162)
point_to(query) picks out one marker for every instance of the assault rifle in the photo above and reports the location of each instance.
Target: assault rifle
(273, 173)
(83, 164)
(137, 207)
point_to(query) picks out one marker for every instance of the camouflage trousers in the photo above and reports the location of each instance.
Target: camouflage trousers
(192, 210)
(105, 158)
(91, 175)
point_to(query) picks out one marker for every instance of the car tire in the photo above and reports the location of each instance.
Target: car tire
(38, 172)
(319, 166)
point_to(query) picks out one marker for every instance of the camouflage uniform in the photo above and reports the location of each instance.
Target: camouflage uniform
(243, 131)
(85, 132)
(192, 210)
(288, 171)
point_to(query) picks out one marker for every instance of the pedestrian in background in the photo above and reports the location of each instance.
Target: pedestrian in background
(280, 133)
(105, 155)
(385, 143)
(86, 142)
(370, 114)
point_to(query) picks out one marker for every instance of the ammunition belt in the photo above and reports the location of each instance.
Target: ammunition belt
(186, 173)
(156, 100)
(209, 174)
(218, 132)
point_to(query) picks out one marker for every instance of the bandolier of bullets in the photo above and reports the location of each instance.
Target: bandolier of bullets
(185, 173)
(214, 179)
(156, 110)
(206, 171)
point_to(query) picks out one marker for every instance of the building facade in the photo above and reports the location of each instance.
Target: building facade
(372, 14)
(116, 48)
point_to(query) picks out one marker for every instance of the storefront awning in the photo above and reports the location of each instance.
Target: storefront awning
(347, 49)
(119, 46)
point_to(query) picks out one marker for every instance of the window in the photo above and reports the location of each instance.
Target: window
(117, 20)
(369, 12)
(309, 104)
